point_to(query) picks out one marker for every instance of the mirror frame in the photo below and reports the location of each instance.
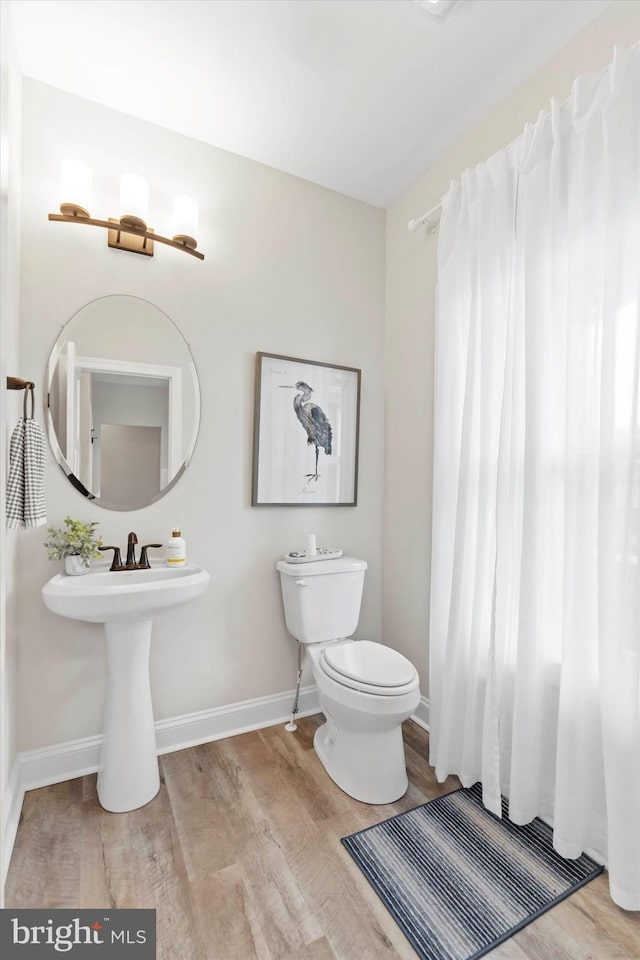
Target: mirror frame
(54, 444)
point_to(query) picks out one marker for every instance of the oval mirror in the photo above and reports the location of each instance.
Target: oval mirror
(123, 402)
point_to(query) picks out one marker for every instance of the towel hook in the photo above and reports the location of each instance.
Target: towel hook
(17, 383)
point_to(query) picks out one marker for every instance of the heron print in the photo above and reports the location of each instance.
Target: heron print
(305, 432)
(313, 421)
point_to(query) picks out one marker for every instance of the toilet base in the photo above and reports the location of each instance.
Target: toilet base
(368, 766)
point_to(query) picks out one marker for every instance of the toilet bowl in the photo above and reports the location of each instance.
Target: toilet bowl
(360, 745)
(366, 689)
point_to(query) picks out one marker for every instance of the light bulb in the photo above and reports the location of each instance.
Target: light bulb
(134, 201)
(185, 221)
(75, 189)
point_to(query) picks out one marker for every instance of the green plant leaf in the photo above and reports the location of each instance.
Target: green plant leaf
(77, 539)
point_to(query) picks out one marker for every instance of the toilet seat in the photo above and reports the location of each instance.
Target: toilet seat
(368, 667)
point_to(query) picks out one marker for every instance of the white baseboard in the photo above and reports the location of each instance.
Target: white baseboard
(208, 725)
(76, 758)
(14, 797)
(421, 716)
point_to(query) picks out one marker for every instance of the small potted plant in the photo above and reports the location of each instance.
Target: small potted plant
(76, 544)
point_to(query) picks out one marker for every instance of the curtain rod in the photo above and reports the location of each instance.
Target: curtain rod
(432, 217)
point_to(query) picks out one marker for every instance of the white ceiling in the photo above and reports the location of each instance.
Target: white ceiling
(360, 96)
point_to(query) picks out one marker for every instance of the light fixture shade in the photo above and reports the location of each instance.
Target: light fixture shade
(185, 220)
(75, 188)
(438, 9)
(134, 200)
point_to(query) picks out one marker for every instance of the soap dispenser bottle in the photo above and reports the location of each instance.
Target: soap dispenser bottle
(176, 549)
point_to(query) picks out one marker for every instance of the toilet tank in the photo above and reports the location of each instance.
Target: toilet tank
(322, 598)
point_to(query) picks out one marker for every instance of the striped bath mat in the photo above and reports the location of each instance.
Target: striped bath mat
(458, 880)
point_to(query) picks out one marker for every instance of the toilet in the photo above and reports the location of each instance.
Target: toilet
(366, 689)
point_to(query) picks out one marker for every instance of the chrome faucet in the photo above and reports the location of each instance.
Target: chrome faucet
(131, 564)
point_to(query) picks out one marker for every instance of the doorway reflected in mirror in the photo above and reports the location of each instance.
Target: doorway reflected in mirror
(123, 402)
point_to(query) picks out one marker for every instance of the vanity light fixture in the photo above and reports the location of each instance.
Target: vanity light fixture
(438, 9)
(129, 231)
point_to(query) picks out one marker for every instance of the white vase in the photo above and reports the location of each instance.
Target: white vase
(74, 566)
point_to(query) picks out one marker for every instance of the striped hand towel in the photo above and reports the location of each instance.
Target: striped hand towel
(25, 486)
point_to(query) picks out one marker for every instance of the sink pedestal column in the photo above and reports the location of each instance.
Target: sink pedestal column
(128, 773)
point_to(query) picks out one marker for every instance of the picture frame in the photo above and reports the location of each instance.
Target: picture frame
(306, 433)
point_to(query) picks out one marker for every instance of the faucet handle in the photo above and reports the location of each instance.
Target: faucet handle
(116, 563)
(143, 563)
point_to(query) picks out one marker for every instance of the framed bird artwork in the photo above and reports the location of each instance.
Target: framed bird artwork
(305, 440)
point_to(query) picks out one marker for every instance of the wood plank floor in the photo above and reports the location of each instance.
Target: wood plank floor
(240, 855)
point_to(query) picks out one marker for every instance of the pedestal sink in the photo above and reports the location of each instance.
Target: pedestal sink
(126, 602)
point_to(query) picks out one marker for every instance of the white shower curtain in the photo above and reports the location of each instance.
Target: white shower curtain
(535, 586)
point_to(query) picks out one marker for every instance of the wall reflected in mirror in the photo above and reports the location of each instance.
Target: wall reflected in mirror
(123, 402)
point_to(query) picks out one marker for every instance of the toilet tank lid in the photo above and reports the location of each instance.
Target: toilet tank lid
(320, 567)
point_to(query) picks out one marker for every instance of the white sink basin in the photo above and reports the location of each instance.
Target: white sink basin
(101, 596)
(126, 602)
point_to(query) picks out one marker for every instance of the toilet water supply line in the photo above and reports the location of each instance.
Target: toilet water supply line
(292, 725)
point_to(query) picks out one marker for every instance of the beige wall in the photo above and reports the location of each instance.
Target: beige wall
(10, 403)
(290, 268)
(409, 328)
